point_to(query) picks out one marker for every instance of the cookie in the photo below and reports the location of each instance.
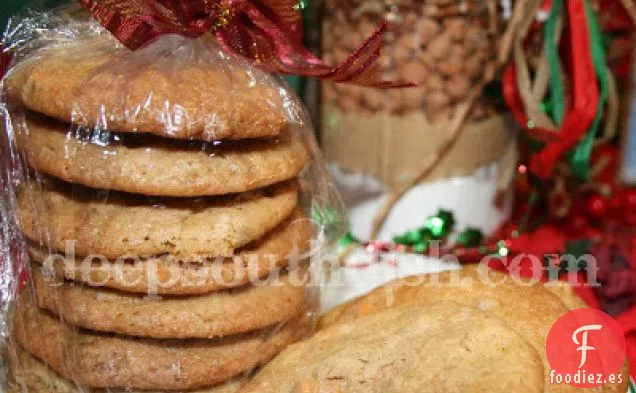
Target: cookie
(433, 347)
(531, 310)
(28, 374)
(175, 87)
(159, 166)
(205, 316)
(564, 291)
(113, 224)
(110, 361)
(164, 275)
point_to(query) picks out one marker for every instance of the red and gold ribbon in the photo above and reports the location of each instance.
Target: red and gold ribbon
(5, 59)
(268, 32)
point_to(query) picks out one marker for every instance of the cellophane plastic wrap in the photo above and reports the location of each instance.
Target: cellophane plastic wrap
(165, 212)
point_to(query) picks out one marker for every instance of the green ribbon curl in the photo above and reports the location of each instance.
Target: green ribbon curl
(580, 157)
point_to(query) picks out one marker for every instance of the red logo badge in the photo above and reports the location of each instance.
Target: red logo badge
(586, 348)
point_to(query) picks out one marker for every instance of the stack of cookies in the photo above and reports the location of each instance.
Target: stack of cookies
(165, 237)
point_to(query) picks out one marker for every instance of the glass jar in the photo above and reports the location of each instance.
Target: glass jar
(384, 136)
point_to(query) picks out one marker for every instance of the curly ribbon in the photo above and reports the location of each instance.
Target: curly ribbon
(580, 116)
(516, 106)
(538, 117)
(518, 92)
(613, 108)
(584, 104)
(5, 59)
(553, 28)
(580, 159)
(268, 32)
(592, 99)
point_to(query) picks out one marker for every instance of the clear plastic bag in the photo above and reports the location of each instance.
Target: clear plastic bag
(165, 212)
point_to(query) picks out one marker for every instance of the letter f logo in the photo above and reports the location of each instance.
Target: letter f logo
(596, 348)
(583, 343)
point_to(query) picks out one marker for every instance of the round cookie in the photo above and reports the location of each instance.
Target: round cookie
(176, 87)
(149, 165)
(432, 347)
(110, 361)
(205, 316)
(286, 244)
(529, 309)
(564, 291)
(28, 374)
(116, 225)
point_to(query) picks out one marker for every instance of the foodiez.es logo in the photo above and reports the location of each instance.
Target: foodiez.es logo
(586, 348)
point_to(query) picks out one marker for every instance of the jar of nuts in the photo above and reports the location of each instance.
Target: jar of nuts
(442, 45)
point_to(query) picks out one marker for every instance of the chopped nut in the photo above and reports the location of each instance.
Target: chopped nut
(410, 21)
(426, 58)
(451, 66)
(434, 82)
(385, 61)
(457, 50)
(373, 98)
(401, 53)
(352, 40)
(437, 100)
(413, 71)
(458, 86)
(456, 27)
(414, 98)
(427, 30)
(340, 55)
(395, 100)
(408, 41)
(440, 46)
(366, 27)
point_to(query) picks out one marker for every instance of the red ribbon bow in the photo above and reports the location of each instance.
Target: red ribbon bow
(5, 59)
(268, 32)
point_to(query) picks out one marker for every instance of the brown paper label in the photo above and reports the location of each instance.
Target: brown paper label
(392, 147)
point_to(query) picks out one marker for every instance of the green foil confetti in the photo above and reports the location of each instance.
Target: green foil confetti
(349, 239)
(470, 237)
